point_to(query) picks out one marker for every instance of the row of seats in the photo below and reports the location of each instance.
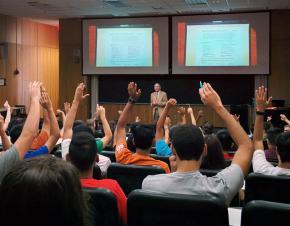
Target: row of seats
(155, 209)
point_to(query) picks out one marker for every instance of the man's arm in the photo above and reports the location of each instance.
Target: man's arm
(200, 115)
(5, 140)
(30, 127)
(134, 94)
(107, 130)
(244, 154)
(8, 115)
(181, 112)
(166, 130)
(190, 112)
(71, 115)
(63, 117)
(285, 119)
(161, 121)
(54, 129)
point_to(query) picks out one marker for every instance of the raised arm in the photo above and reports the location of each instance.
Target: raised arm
(63, 117)
(199, 116)
(30, 127)
(134, 94)
(285, 119)
(166, 130)
(244, 153)
(8, 115)
(261, 102)
(5, 140)
(54, 129)
(190, 112)
(107, 130)
(161, 121)
(181, 112)
(71, 115)
(66, 106)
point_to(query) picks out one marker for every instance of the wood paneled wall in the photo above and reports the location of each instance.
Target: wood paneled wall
(35, 54)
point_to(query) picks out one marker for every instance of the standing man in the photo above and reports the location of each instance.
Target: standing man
(158, 101)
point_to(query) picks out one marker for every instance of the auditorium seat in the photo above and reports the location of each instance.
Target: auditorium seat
(130, 177)
(110, 155)
(158, 209)
(97, 173)
(161, 158)
(103, 205)
(268, 188)
(264, 213)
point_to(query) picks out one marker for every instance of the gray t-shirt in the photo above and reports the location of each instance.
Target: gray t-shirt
(7, 160)
(225, 185)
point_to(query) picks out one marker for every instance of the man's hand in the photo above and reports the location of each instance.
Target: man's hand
(170, 103)
(261, 99)
(210, 97)
(66, 107)
(133, 91)
(137, 119)
(101, 111)
(45, 101)
(6, 105)
(59, 112)
(2, 122)
(35, 90)
(120, 112)
(200, 114)
(284, 118)
(269, 118)
(181, 111)
(79, 93)
(189, 110)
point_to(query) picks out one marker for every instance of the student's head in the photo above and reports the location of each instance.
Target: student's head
(83, 151)
(143, 136)
(283, 147)
(287, 128)
(188, 142)
(225, 139)
(208, 128)
(82, 128)
(272, 135)
(77, 123)
(157, 87)
(42, 191)
(15, 132)
(214, 158)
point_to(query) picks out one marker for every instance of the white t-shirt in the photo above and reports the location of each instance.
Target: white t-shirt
(225, 185)
(261, 165)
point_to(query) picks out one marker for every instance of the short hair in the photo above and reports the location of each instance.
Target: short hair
(46, 186)
(283, 146)
(78, 122)
(157, 84)
(208, 128)
(143, 136)
(272, 135)
(82, 150)
(15, 132)
(188, 142)
(82, 128)
(225, 139)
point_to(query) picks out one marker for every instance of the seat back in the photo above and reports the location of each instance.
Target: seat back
(103, 205)
(268, 188)
(110, 155)
(97, 173)
(263, 213)
(161, 158)
(130, 177)
(158, 209)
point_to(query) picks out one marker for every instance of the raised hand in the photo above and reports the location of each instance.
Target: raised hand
(269, 118)
(101, 111)
(284, 118)
(137, 119)
(120, 112)
(261, 99)
(79, 93)
(133, 91)
(170, 103)
(45, 101)
(200, 113)
(189, 110)
(66, 107)
(181, 111)
(60, 112)
(209, 96)
(35, 90)
(6, 104)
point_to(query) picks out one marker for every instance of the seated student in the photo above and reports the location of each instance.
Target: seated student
(42, 191)
(189, 147)
(143, 137)
(54, 129)
(272, 135)
(214, 159)
(226, 142)
(70, 123)
(83, 154)
(260, 164)
(17, 151)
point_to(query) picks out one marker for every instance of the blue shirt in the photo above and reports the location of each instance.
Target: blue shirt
(40, 151)
(162, 148)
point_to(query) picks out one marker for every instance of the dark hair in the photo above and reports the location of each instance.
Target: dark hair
(14, 122)
(42, 191)
(15, 132)
(82, 150)
(215, 157)
(272, 135)
(143, 136)
(225, 139)
(283, 146)
(130, 142)
(78, 122)
(208, 128)
(82, 128)
(188, 142)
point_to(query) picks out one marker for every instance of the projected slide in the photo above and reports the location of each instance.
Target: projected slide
(217, 45)
(124, 47)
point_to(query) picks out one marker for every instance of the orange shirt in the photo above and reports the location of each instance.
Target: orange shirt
(40, 140)
(125, 156)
